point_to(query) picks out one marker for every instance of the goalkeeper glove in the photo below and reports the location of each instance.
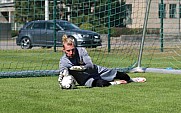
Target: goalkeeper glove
(78, 68)
(61, 75)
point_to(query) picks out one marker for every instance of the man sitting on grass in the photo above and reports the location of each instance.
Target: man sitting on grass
(78, 63)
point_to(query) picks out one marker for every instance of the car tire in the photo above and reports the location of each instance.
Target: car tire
(93, 46)
(26, 43)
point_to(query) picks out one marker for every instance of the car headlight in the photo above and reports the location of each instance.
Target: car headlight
(96, 37)
(82, 35)
(85, 35)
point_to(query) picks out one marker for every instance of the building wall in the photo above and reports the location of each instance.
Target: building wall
(7, 11)
(6, 1)
(170, 25)
(138, 11)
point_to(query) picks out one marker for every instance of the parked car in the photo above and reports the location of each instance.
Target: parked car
(41, 33)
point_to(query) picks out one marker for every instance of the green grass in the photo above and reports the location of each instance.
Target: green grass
(46, 59)
(160, 94)
(40, 59)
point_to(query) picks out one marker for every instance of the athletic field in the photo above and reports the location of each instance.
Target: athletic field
(160, 94)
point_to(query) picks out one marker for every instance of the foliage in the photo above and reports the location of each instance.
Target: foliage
(87, 26)
(29, 10)
(14, 33)
(101, 29)
(91, 19)
(81, 9)
(111, 13)
(116, 31)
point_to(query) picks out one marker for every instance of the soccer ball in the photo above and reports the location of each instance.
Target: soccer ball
(68, 82)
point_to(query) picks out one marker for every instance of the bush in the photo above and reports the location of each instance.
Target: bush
(101, 30)
(87, 26)
(14, 33)
(131, 31)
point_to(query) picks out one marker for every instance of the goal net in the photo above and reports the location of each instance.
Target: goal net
(135, 34)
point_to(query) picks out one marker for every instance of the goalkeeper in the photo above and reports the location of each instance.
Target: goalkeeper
(80, 66)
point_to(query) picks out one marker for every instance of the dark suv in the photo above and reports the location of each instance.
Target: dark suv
(41, 33)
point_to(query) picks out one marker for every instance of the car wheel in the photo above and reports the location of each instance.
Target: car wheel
(49, 47)
(26, 43)
(94, 46)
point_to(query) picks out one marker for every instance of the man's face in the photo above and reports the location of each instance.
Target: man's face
(69, 50)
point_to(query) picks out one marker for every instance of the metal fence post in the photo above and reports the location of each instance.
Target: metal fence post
(109, 26)
(54, 18)
(161, 25)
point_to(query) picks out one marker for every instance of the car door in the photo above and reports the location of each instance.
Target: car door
(50, 34)
(39, 33)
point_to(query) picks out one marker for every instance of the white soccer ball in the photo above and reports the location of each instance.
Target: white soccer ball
(68, 82)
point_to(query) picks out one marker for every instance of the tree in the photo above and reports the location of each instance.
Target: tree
(113, 9)
(27, 10)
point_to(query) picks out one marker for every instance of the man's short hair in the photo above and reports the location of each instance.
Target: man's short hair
(67, 40)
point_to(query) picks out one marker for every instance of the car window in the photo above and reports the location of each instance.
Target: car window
(29, 26)
(50, 26)
(39, 25)
(67, 25)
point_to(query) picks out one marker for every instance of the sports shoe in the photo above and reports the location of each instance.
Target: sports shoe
(139, 79)
(118, 82)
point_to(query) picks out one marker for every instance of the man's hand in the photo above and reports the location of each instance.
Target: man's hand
(65, 72)
(62, 75)
(77, 68)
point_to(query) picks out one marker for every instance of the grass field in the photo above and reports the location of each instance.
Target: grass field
(160, 94)
(46, 59)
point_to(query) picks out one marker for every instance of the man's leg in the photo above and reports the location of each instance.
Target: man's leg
(80, 77)
(100, 83)
(123, 76)
(126, 77)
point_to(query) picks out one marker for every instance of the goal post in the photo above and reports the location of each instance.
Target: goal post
(139, 68)
(167, 35)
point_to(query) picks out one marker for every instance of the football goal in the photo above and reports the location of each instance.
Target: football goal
(136, 35)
